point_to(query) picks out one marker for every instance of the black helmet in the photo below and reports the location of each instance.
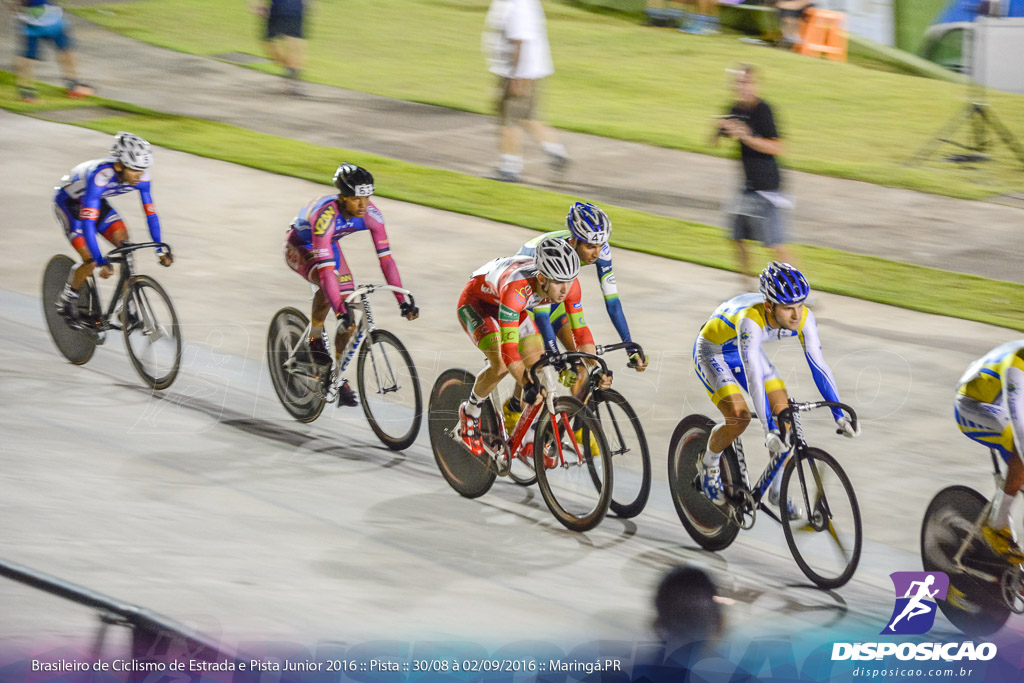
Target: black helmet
(353, 181)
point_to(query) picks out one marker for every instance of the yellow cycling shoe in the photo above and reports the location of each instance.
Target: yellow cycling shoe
(1001, 541)
(511, 417)
(595, 450)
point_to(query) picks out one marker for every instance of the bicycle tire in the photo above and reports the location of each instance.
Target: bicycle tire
(77, 346)
(296, 393)
(820, 515)
(470, 475)
(709, 525)
(974, 606)
(624, 505)
(396, 442)
(562, 494)
(137, 299)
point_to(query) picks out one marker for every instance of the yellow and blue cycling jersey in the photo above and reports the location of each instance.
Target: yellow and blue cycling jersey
(989, 406)
(728, 354)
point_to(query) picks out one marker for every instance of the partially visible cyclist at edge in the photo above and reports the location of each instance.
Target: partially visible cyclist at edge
(494, 311)
(728, 354)
(989, 409)
(588, 230)
(83, 211)
(311, 249)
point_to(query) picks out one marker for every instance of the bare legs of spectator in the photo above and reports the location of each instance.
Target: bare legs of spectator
(25, 76)
(511, 148)
(782, 253)
(289, 53)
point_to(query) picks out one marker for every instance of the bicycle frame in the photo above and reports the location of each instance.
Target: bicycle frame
(798, 450)
(123, 256)
(364, 326)
(975, 530)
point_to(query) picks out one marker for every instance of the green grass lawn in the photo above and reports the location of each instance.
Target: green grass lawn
(913, 17)
(614, 78)
(866, 277)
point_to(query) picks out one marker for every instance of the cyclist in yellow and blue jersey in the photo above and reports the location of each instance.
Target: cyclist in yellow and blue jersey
(728, 356)
(989, 409)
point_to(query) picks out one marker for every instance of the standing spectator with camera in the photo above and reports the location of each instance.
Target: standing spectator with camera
(758, 210)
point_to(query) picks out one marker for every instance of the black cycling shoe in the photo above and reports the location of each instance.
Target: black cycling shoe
(67, 307)
(347, 397)
(315, 351)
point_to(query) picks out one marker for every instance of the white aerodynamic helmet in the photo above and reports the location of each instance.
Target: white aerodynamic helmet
(557, 260)
(132, 151)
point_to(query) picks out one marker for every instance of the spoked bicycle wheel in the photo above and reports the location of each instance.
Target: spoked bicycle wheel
(472, 476)
(627, 446)
(710, 525)
(975, 606)
(152, 336)
(299, 391)
(75, 345)
(389, 389)
(564, 465)
(826, 542)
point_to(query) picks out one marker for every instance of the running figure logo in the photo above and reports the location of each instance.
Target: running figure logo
(916, 596)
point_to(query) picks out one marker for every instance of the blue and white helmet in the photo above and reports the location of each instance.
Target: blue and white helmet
(783, 284)
(132, 151)
(557, 260)
(589, 224)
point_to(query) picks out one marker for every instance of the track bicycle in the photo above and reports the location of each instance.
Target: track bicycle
(139, 308)
(825, 540)
(574, 473)
(984, 589)
(627, 444)
(387, 381)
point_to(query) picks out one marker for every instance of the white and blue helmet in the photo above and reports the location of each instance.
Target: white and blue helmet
(783, 284)
(588, 224)
(132, 151)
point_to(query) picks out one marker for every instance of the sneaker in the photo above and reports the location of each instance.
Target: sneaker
(28, 95)
(511, 417)
(79, 91)
(504, 176)
(1002, 542)
(794, 509)
(346, 396)
(711, 482)
(469, 430)
(559, 167)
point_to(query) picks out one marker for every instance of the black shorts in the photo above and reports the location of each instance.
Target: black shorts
(278, 25)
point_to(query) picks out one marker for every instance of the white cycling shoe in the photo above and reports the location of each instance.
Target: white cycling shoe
(795, 509)
(711, 482)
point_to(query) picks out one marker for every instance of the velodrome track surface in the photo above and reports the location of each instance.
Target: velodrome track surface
(208, 504)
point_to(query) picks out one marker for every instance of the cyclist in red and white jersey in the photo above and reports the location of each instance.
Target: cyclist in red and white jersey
(494, 310)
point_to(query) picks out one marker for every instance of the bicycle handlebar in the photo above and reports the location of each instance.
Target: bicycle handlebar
(369, 289)
(786, 414)
(128, 247)
(567, 357)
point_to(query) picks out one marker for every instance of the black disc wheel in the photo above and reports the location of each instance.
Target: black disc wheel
(470, 475)
(76, 345)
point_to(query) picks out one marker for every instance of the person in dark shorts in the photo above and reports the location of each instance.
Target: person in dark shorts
(40, 20)
(285, 37)
(759, 209)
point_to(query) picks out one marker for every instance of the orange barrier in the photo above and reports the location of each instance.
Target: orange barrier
(824, 33)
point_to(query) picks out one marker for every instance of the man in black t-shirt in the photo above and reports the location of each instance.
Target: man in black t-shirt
(758, 210)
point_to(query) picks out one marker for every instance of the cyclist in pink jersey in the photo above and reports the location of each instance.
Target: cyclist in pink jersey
(311, 250)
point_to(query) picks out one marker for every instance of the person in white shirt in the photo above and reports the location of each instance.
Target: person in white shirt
(516, 45)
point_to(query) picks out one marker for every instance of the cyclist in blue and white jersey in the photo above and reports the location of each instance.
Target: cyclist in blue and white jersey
(82, 210)
(728, 355)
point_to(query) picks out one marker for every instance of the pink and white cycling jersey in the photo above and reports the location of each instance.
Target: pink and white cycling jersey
(317, 229)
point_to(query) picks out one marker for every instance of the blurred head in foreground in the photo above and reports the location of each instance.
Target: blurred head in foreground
(685, 606)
